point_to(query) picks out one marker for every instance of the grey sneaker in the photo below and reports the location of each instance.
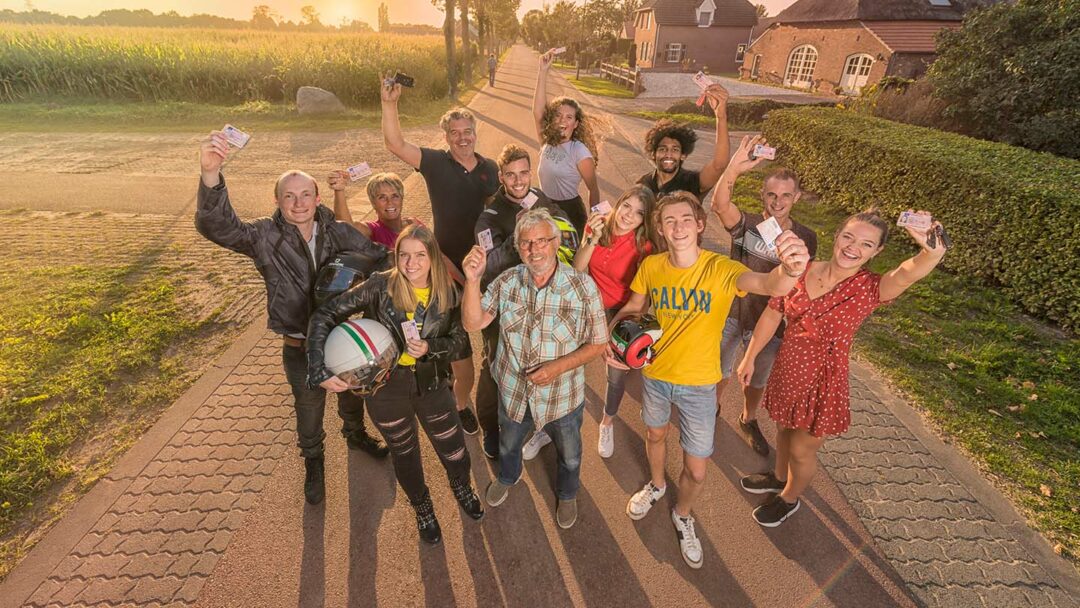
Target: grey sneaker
(532, 447)
(496, 493)
(762, 483)
(566, 513)
(643, 500)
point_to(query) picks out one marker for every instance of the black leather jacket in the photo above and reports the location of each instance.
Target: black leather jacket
(446, 338)
(281, 256)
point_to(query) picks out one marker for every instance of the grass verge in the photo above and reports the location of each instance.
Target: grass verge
(594, 85)
(1002, 386)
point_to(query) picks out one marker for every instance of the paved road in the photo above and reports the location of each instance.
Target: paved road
(208, 507)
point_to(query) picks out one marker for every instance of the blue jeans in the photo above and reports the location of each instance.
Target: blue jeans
(564, 432)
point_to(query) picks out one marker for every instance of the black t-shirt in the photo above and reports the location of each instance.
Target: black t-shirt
(457, 198)
(685, 179)
(748, 247)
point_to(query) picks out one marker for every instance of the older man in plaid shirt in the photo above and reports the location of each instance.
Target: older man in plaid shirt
(551, 322)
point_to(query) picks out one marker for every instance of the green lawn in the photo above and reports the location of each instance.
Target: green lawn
(598, 86)
(697, 120)
(1002, 386)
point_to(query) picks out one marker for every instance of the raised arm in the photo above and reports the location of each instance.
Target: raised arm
(722, 200)
(587, 169)
(540, 94)
(717, 97)
(473, 316)
(594, 229)
(215, 217)
(914, 269)
(339, 180)
(391, 125)
(793, 259)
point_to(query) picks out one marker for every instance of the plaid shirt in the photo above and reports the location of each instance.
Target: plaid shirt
(537, 325)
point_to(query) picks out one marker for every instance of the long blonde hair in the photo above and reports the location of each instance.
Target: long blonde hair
(444, 295)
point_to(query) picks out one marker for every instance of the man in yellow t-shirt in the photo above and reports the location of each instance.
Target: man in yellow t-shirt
(691, 291)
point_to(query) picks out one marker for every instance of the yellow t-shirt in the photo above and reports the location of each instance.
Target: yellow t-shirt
(422, 296)
(691, 305)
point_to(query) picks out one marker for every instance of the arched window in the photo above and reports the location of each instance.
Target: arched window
(800, 67)
(856, 71)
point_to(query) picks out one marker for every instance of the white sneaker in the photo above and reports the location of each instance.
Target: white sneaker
(688, 540)
(532, 447)
(643, 500)
(606, 445)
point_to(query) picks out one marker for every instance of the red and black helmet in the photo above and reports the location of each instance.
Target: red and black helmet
(633, 338)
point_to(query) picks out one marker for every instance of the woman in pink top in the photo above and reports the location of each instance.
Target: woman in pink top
(386, 192)
(613, 246)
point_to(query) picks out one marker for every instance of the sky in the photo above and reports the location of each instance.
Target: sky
(330, 11)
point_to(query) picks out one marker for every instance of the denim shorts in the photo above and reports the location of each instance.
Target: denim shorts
(697, 412)
(736, 336)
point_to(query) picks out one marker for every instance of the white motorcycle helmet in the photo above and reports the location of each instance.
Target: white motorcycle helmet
(363, 353)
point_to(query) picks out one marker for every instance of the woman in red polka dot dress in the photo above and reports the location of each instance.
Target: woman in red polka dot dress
(807, 394)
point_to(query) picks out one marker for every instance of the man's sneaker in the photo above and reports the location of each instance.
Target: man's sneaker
(566, 513)
(491, 445)
(643, 500)
(751, 432)
(606, 445)
(496, 493)
(762, 483)
(366, 443)
(469, 423)
(774, 511)
(314, 480)
(688, 540)
(537, 441)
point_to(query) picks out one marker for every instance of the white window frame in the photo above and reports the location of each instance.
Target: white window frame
(862, 63)
(706, 8)
(740, 52)
(801, 63)
(644, 51)
(677, 48)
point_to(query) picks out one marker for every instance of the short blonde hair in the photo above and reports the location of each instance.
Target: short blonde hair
(384, 179)
(292, 173)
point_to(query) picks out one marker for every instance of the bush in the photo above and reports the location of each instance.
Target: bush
(1012, 213)
(914, 104)
(1010, 74)
(739, 112)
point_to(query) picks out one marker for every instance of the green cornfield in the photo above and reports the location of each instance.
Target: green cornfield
(209, 66)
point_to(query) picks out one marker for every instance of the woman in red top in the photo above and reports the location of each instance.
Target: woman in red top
(807, 393)
(614, 245)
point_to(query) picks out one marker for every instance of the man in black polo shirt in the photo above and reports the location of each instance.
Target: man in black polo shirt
(458, 181)
(669, 143)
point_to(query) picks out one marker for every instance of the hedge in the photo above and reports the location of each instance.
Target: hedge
(1013, 214)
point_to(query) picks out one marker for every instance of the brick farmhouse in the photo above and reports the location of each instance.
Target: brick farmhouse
(837, 46)
(692, 35)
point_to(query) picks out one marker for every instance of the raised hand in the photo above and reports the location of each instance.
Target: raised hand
(717, 96)
(793, 253)
(212, 153)
(389, 93)
(741, 161)
(474, 264)
(339, 180)
(921, 236)
(546, 59)
(594, 227)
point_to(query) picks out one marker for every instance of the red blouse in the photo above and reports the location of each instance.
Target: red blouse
(613, 268)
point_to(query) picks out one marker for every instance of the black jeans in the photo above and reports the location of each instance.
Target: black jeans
(395, 409)
(487, 391)
(310, 403)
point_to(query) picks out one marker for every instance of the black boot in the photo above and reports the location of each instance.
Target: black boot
(426, 523)
(360, 440)
(315, 480)
(467, 498)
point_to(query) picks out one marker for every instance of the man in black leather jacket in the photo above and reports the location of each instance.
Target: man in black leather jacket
(287, 249)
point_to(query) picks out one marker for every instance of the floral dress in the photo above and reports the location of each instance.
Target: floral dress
(808, 386)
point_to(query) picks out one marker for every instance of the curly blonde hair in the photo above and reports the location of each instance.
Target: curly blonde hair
(585, 131)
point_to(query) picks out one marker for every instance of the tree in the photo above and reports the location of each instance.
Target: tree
(384, 18)
(762, 11)
(448, 35)
(1009, 74)
(261, 19)
(466, 45)
(310, 16)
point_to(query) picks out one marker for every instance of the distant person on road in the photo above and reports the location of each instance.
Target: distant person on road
(779, 193)
(386, 193)
(614, 245)
(568, 149)
(498, 220)
(458, 182)
(551, 323)
(690, 291)
(491, 65)
(287, 249)
(807, 393)
(419, 289)
(668, 144)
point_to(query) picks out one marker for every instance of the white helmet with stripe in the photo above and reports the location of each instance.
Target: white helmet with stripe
(363, 353)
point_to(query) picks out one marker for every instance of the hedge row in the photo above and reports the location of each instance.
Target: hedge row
(1013, 214)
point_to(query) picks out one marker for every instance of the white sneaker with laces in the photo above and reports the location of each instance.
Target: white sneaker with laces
(532, 447)
(688, 540)
(606, 445)
(643, 500)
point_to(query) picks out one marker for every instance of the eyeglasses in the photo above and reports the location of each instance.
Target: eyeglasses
(529, 245)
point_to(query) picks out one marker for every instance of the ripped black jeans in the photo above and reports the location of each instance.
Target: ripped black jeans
(395, 409)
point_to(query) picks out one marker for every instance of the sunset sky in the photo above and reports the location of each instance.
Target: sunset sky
(330, 11)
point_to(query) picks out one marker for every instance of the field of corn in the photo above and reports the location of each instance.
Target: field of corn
(209, 66)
